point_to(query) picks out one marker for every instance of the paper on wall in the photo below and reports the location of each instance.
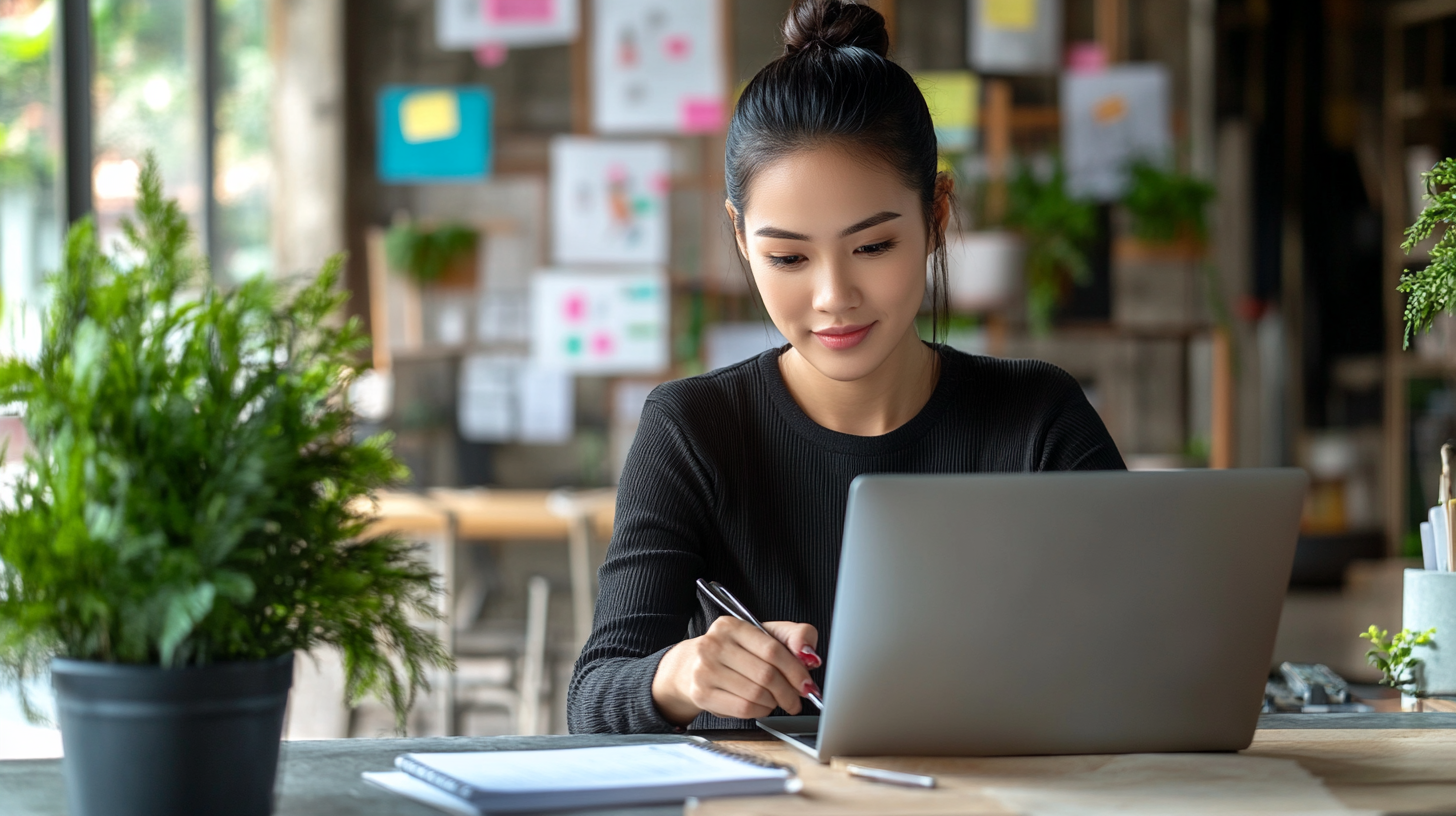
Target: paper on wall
(1110, 119)
(953, 99)
(657, 66)
(729, 343)
(600, 322)
(505, 398)
(464, 25)
(609, 201)
(1015, 36)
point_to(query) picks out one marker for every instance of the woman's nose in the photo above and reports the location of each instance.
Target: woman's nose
(834, 291)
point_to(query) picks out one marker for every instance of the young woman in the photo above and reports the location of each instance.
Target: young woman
(742, 475)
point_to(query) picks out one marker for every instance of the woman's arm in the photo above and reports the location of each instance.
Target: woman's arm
(664, 511)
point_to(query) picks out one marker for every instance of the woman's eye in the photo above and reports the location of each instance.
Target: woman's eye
(785, 260)
(876, 249)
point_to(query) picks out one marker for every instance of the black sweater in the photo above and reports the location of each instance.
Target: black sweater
(730, 480)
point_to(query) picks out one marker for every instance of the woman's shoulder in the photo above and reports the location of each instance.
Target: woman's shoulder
(1016, 375)
(717, 399)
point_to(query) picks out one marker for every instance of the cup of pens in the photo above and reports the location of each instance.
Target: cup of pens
(1430, 594)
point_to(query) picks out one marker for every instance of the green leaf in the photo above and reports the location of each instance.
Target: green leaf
(184, 611)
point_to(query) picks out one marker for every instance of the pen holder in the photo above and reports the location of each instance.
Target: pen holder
(1430, 601)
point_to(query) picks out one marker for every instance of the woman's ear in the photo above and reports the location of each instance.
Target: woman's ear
(944, 201)
(737, 233)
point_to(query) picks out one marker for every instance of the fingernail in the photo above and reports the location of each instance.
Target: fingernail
(809, 658)
(809, 688)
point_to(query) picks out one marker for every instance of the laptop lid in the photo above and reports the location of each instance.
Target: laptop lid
(1059, 613)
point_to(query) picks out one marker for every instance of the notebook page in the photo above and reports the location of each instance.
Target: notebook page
(607, 768)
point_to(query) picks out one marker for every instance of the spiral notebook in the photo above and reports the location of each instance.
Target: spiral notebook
(508, 781)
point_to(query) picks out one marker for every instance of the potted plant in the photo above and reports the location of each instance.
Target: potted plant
(189, 518)
(443, 256)
(1160, 248)
(1057, 230)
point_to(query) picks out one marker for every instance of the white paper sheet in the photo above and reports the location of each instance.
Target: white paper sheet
(487, 406)
(600, 322)
(1108, 120)
(729, 343)
(547, 400)
(1015, 36)
(509, 399)
(464, 25)
(657, 66)
(609, 201)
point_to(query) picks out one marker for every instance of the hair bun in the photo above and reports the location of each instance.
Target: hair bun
(834, 24)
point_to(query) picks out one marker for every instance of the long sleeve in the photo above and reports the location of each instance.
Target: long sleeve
(1076, 438)
(664, 515)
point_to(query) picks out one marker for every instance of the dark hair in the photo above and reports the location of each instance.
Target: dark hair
(835, 85)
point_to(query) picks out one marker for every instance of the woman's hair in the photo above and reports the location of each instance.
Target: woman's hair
(834, 86)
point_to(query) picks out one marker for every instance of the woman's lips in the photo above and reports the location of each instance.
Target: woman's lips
(839, 338)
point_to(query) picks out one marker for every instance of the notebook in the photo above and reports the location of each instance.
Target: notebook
(509, 781)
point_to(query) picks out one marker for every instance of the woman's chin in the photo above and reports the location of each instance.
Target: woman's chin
(844, 365)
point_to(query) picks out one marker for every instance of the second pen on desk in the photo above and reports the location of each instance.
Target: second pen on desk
(719, 595)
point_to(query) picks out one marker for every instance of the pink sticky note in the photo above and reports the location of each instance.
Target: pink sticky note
(491, 55)
(1086, 58)
(520, 11)
(573, 307)
(677, 46)
(601, 344)
(700, 115)
(659, 184)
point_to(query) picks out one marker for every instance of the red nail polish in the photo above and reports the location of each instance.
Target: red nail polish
(810, 688)
(809, 658)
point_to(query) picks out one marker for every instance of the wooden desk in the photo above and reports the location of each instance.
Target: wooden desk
(1401, 762)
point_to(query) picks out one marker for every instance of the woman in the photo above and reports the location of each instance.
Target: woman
(742, 475)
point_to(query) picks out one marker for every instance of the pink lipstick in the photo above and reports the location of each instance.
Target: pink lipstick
(839, 338)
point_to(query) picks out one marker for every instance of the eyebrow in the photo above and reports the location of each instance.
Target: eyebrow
(872, 221)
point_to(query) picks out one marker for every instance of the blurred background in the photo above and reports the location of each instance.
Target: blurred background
(1194, 206)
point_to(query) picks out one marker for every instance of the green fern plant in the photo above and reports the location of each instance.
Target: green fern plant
(1164, 204)
(424, 254)
(1058, 229)
(191, 495)
(1432, 290)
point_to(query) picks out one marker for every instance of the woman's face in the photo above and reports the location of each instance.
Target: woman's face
(837, 246)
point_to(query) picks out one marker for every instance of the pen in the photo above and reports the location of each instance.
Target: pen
(719, 595)
(909, 780)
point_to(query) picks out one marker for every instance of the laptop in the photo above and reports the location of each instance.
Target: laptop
(1057, 613)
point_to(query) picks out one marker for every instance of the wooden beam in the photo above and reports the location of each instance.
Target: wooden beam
(1221, 421)
(997, 121)
(1110, 25)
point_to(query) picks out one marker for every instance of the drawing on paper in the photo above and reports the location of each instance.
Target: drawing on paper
(1109, 119)
(609, 201)
(601, 323)
(658, 66)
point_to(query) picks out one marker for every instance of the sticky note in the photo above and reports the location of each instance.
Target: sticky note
(520, 11)
(430, 116)
(433, 133)
(700, 115)
(1010, 15)
(952, 97)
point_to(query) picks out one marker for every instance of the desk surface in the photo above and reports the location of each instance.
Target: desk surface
(1404, 762)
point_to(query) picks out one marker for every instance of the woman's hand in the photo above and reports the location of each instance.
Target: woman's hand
(734, 670)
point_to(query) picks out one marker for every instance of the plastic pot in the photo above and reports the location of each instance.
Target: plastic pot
(148, 741)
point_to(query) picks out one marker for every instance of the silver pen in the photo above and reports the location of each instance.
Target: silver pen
(908, 780)
(719, 595)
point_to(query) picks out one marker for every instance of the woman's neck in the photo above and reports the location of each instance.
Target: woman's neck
(872, 405)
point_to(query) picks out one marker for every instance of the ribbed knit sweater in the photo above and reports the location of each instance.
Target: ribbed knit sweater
(728, 479)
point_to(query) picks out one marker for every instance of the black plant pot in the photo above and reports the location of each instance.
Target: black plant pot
(148, 741)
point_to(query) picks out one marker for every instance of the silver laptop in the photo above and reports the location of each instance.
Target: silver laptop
(1061, 613)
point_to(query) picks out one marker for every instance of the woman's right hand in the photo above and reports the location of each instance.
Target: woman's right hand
(734, 670)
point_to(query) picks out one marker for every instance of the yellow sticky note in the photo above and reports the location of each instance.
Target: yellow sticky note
(951, 97)
(1010, 15)
(430, 116)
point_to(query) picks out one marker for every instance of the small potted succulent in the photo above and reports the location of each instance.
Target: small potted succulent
(189, 518)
